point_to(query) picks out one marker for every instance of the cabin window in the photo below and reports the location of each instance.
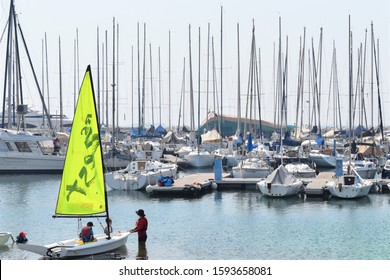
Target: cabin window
(350, 180)
(9, 146)
(23, 147)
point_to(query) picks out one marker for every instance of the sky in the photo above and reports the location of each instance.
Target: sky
(73, 19)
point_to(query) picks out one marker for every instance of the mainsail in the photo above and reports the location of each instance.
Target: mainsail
(82, 190)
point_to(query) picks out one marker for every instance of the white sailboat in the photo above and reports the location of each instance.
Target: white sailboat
(351, 184)
(82, 191)
(280, 183)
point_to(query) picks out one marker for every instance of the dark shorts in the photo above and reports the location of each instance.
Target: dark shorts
(142, 238)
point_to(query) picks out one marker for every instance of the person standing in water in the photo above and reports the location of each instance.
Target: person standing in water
(141, 226)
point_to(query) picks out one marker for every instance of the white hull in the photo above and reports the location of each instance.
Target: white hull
(340, 188)
(323, 160)
(250, 172)
(73, 248)
(200, 160)
(121, 180)
(301, 170)
(31, 164)
(25, 152)
(4, 237)
(280, 190)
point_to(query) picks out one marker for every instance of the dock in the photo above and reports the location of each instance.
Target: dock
(193, 185)
(315, 187)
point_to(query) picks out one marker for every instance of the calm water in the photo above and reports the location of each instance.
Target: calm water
(219, 225)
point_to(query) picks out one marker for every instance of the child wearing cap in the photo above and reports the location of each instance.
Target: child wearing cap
(21, 238)
(86, 233)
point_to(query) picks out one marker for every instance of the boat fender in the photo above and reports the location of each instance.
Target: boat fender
(340, 187)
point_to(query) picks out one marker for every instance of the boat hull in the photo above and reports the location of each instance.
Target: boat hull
(4, 237)
(348, 191)
(73, 248)
(126, 181)
(279, 190)
(43, 164)
(200, 160)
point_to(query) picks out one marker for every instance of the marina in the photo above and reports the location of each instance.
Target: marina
(209, 226)
(303, 174)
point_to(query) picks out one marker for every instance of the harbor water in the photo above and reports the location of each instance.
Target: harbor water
(220, 225)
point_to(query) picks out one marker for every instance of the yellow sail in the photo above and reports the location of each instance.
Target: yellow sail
(82, 189)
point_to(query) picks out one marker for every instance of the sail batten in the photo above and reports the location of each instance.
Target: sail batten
(82, 190)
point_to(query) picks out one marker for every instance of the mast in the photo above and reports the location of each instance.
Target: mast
(207, 71)
(182, 97)
(60, 70)
(47, 78)
(113, 82)
(239, 81)
(192, 120)
(132, 87)
(151, 83)
(199, 132)
(139, 84)
(143, 80)
(159, 82)
(169, 81)
(98, 75)
(221, 118)
(350, 86)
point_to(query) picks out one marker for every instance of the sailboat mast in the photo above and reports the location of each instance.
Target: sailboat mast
(60, 70)
(113, 81)
(221, 118)
(238, 81)
(350, 85)
(192, 122)
(199, 132)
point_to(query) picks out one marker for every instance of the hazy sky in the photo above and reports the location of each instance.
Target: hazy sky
(62, 18)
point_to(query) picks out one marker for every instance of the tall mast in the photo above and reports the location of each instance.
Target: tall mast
(98, 75)
(151, 83)
(132, 87)
(199, 132)
(143, 80)
(159, 81)
(60, 70)
(113, 81)
(47, 78)
(221, 119)
(139, 84)
(169, 80)
(239, 81)
(207, 71)
(192, 121)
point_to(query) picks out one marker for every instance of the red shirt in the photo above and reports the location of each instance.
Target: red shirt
(141, 226)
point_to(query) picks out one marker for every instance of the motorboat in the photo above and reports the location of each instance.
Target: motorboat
(199, 158)
(301, 170)
(22, 151)
(138, 174)
(252, 167)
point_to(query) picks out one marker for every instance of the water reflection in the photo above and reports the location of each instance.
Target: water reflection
(280, 202)
(341, 203)
(142, 252)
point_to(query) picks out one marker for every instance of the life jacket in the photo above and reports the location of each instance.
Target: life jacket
(85, 232)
